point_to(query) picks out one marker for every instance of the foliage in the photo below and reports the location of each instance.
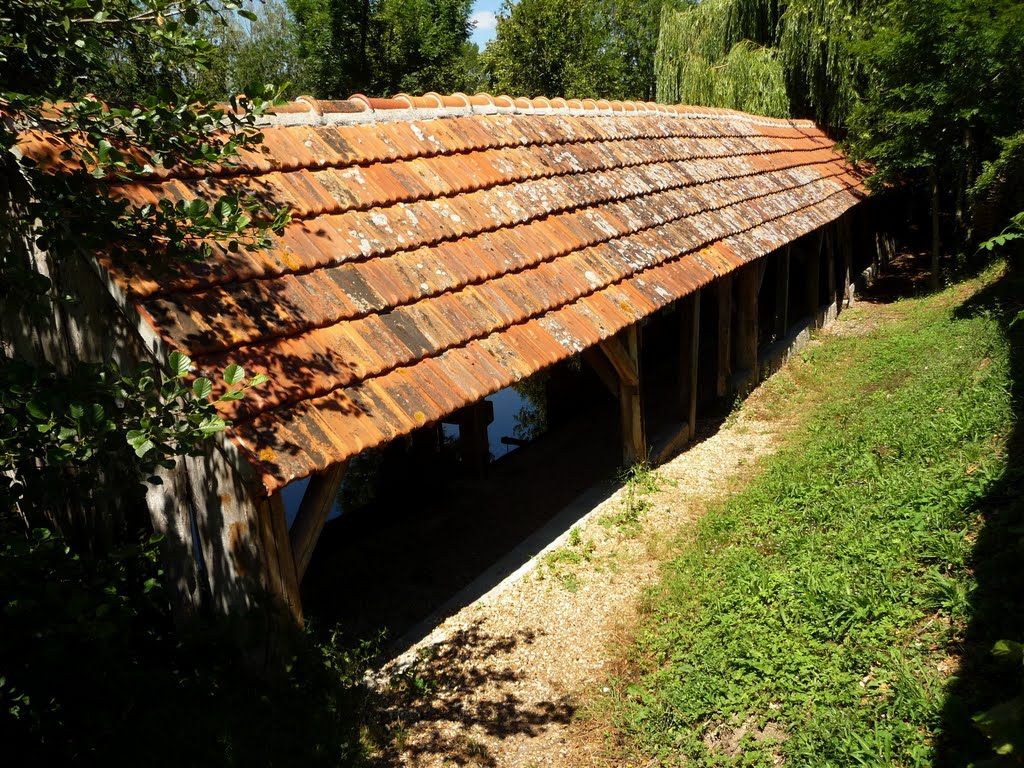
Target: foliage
(1014, 231)
(68, 439)
(762, 56)
(575, 48)
(62, 430)
(258, 51)
(381, 47)
(93, 672)
(817, 615)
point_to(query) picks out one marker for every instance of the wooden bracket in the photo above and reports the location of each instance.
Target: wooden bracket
(625, 366)
(599, 364)
(316, 505)
(623, 352)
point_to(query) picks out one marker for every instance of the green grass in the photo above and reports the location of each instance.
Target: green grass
(639, 482)
(829, 601)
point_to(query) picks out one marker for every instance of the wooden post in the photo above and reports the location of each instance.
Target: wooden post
(279, 573)
(244, 548)
(689, 352)
(724, 335)
(845, 236)
(624, 355)
(473, 421)
(830, 263)
(813, 287)
(316, 505)
(745, 363)
(782, 294)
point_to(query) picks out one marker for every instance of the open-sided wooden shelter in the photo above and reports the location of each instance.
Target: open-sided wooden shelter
(442, 248)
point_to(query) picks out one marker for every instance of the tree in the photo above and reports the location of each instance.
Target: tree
(80, 436)
(552, 48)
(381, 47)
(250, 52)
(762, 56)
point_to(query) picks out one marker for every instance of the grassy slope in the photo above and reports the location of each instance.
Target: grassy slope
(835, 595)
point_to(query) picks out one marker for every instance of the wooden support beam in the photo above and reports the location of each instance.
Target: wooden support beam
(624, 354)
(812, 271)
(605, 371)
(621, 359)
(845, 237)
(782, 294)
(724, 368)
(689, 352)
(745, 338)
(279, 565)
(316, 505)
(830, 262)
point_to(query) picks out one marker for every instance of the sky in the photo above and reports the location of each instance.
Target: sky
(483, 14)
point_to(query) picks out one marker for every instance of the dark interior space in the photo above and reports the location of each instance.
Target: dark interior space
(433, 526)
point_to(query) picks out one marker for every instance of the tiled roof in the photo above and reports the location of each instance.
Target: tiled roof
(444, 247)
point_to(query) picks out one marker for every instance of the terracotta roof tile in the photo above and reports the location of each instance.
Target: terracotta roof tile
(443, 247)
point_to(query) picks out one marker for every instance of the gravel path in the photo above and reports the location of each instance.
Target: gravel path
(500, 682)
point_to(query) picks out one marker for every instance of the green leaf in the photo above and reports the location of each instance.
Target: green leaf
(143, 448)
(234, 373)
(36, 410)
(202, 388)
(212, 425)
(180, 364)
(258, 380)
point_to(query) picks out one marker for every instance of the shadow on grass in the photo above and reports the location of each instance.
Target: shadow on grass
(997, 604)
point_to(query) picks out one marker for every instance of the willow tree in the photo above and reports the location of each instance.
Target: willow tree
(772, 57)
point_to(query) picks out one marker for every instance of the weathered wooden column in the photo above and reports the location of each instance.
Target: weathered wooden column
(623, 352)
(240, 552)
(689, 352)
(828, 239)
(782, 294)
(316, 505)
(812, 301)
(745, 340)
(474, 446)
(844, 235)
(724, 368)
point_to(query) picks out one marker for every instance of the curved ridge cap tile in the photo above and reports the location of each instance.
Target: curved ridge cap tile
(313, 103)
(523, 103)
(504, 102)
(589, 104)
(458, 101)
(559, 103)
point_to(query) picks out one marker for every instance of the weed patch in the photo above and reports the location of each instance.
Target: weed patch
(812, 618)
